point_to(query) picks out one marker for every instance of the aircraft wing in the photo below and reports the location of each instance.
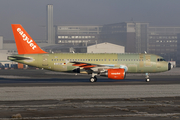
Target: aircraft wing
(86, 65)
(93, 67)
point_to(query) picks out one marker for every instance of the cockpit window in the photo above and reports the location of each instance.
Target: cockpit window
(160, 59)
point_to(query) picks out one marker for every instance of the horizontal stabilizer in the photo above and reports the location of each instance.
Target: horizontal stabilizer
(17, 58)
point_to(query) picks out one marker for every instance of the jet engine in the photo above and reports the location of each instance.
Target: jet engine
(117, 74)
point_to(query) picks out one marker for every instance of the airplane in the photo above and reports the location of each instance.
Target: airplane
(113, 66)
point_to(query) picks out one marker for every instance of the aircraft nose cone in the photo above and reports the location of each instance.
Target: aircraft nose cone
(169, 66)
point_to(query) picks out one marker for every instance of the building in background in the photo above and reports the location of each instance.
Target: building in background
(96, 48)
(77, 35)
(163, 41)
(132, 35)
(49, 24)
(178, 49)
(1, 42)
(105, 48)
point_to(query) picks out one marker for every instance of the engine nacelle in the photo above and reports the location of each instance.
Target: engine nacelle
(117, 74)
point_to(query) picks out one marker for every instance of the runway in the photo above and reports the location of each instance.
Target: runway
(31, 77)
(22, 84)
(37, 94)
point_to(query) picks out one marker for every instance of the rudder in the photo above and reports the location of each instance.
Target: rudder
(24, 43)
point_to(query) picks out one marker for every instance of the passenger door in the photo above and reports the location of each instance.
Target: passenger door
(148, 61)
(45, 60)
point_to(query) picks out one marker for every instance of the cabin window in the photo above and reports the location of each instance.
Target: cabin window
(62, 59)
(160, 59)
(109, 59)
(104, 59)
(89, 59)
(96, 59)
(57, 59)
(52, 59)
(163, 59)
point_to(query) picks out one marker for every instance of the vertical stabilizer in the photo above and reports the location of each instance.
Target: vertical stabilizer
(24, 43)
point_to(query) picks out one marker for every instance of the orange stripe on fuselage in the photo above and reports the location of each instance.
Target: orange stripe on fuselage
(79, 64)
(84, 65)
(89, 66)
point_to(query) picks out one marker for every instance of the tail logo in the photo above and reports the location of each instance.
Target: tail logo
(25, 38)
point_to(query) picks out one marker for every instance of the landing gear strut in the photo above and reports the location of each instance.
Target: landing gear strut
(93, 78)
(147, 78)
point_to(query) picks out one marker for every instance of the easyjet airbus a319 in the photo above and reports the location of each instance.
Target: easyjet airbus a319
(114, 66)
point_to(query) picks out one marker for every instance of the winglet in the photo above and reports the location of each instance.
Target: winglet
(24, 43)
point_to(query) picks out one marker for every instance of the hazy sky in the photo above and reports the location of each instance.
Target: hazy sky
(31, 14)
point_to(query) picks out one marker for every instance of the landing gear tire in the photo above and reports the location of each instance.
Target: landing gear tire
(93, 79)
(147, 80)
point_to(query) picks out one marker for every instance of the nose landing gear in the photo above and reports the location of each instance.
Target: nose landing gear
(147, 77)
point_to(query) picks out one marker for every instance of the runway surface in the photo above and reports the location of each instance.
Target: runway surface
(43, 84)
(50, 78)
(42, 94)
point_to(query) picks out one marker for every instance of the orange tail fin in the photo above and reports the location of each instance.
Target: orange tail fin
(25, 44)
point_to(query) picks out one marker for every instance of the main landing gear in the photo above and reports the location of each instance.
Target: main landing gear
(147, 77)
(93, 78)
